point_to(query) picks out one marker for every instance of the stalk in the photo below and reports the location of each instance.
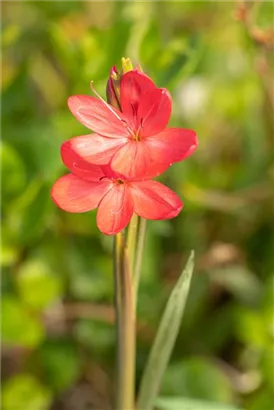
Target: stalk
(125, 327)
(139, 256)
(131, 241)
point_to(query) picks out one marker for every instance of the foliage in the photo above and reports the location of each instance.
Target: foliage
(57, 284)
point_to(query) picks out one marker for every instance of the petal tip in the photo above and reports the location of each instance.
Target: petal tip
(71, 101)
(53, 193)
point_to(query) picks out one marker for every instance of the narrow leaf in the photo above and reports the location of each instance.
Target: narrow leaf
(165, 339)
(179, 403)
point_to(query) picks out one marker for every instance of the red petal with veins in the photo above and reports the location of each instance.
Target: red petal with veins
(115, 210)
(94, 148)
(172, 145)
(153, 200)
(135, 162)
(132, 160)
(145, 106)
(98, 116)
(156, 119)
(73, 194)
(78, 166)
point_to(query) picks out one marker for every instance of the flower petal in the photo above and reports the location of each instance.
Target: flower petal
(73, 194)
(78, 165)
(98, 116)
(94, 148)
(115, 210)
(153, 200)
(172, 145)
(131, 160)
(156, 118)
(135, 162)
(143, 104)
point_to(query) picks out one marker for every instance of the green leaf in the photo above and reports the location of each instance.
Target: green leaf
(198, 378)
(13, 171)
(250, 328)
(151, 46)
(37, 285)
(9, 251)
(60, 363)
(179, 403)
(267, 365)
(180, 59)
(25, 392)
(35, 216)
(19, 327)
(239, 281)
(99, 336)
(165, 339)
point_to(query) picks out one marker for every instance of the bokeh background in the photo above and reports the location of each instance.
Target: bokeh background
(57, 286)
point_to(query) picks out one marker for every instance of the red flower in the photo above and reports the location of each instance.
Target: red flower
(117, 198)
(134, 140)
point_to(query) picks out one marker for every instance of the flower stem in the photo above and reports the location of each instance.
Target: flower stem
(139, 256)
(125, 326)
(131, 241)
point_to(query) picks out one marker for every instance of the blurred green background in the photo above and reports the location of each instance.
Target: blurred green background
(57, 286)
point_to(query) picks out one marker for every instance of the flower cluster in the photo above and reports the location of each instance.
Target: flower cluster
(112, 168)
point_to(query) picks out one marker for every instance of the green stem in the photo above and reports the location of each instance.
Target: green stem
(131, 240)
(139, 256)
(125, 326)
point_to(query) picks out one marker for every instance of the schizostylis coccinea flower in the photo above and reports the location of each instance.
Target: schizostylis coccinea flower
(134, 139)
(117, 197)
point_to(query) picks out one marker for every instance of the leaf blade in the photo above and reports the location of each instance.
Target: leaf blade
(165, 339)
(180, 403)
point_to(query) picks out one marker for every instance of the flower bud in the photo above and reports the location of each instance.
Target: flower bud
(113, 88)
(126, 65)
(113, 84)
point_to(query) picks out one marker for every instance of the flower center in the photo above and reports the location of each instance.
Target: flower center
(119, 181)
(137, 136)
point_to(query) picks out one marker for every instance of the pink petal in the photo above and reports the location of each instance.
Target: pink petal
(94, 148)
(131, 160)
(143, 104)
(110, 173)
(135, 161)
(172, 145)
(153, 200)
(155, 119)
(96, 115)
(78, 165)
(72, 194)
(115, 210)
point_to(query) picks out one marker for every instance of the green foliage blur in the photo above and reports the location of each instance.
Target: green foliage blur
(57, 286)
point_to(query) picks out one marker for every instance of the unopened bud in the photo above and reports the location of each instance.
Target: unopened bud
(113, 88)
(113, 84)
(126, 65)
